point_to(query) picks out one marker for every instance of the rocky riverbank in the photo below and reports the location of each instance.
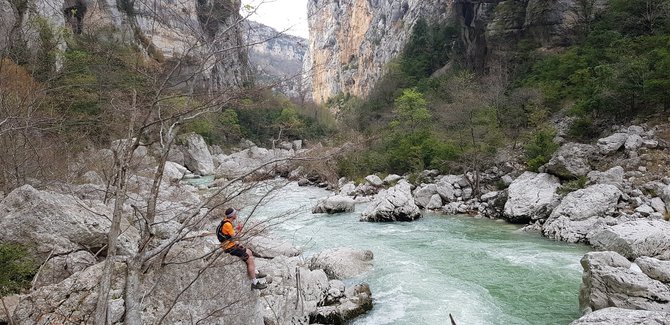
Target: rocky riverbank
(66, 227)
(613, 195)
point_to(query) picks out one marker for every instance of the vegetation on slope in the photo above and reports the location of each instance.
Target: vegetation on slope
(617, 69)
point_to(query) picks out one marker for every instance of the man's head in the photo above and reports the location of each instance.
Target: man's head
(231, 213)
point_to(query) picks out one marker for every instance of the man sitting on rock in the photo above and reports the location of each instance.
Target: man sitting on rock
(225, 232)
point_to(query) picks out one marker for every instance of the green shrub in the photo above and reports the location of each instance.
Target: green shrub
(17, 269)
(573, 185)
(539, 148)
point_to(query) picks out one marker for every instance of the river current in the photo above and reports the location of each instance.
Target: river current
(480, 271)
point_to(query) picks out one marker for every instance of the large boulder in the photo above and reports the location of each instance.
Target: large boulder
(61, 267)
(267, 246)
(327, 301)
(446, 189)
(610, 281)
(173, 172)
(189, 287)
(577, 214)
(335, 204)
(73, 300)
(571, 161)
(612, 143)
(424, 193)
(393, 204)
(59, 224)
(342, 263)
(374, 180)
(621, 316)
(531, 196)
(357, 300)
(613, 176)
(654, 268)
(636, 238)
(197, 157)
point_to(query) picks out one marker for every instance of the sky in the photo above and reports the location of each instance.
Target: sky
(289, 15)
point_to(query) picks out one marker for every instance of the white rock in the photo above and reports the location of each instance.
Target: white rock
(392, 178)
(636, 238)
(570, 220)
(623, 316)
(394, 204)
(612, 143)
(335, 204)
(348, 189)
(435, 202)
(374, 180)
(613, 176)
(645, 210)
(608, 281)
(342, 263)
(635, 129)
(424, 193)
(633, 142)
(571, 160)
(531, 197)
(197, 157)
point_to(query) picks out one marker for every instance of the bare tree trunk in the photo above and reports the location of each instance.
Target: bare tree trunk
(112, 240)
(133, 297)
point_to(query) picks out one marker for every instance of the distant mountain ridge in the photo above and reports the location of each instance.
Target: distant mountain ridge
(275, 58)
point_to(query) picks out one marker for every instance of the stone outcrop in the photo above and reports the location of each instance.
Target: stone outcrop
(342, 263)
(73, 300)
(319, 298)
(578, 213)
(637, 238)
(613, 176)
(275, 58)
(531, 197)
(351, 41)
(205, 36)
(197, 157)
(56, 223)
(335, 204)
(621, 316)
(610, 281)
(612, 143)
(571, 161)
(393, 204)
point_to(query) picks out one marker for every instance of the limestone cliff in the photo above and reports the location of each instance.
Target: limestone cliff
(275, 58)
(206, 33)
(351, 41)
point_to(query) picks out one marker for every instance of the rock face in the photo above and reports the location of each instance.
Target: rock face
(612, 143)
(275, 58)
(531, 197)
(342, 263)
(335, 204)
(72, 300)
(394, 204)
(609, 281)
(621, 316)
(55, 223)
(571, 161)
(637, 238)
(351, 41)
(578, 212)
(165, 30)
(197, 157)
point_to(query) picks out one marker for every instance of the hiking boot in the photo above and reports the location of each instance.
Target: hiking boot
(260, 275)
(259, 286)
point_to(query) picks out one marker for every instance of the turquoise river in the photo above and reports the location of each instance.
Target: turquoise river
(480, 271)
